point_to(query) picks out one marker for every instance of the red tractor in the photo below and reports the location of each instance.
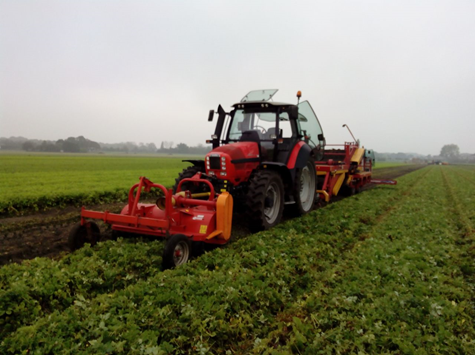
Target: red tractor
(265, 155)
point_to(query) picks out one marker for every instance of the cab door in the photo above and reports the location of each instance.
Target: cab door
(310, 129)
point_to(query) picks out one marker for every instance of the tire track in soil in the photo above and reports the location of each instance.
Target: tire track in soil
(403, 195)
(455, 206)
(465, 231)
(466, 178)
(46, 234)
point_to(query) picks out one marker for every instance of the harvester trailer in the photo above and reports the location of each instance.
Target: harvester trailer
(265, 155)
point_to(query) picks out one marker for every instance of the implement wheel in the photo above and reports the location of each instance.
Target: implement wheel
(81, 234)
(265, 200)
(304, 189)
(178, 251)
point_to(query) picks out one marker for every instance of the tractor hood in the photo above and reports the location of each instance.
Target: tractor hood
(238, 150)
(233, 162)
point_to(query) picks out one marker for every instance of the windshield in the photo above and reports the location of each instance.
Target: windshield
(259, 95)
(262, 122)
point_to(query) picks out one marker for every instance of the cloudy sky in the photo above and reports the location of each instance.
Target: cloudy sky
(399, 73)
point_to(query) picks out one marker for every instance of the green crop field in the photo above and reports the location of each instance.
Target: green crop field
(36, 182)
(379, 165)
(39, 181)
(387, 271)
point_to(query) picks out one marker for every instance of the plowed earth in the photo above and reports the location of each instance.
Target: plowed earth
(45, 234)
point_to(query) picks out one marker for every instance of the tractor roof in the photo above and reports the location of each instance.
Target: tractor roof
(257, 102)
(259, 98)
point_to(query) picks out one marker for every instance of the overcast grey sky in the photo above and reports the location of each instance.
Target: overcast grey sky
(399, 73)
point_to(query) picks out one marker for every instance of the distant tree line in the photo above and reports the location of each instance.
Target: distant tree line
(129, 147)
(168, 147)
(396, 157)
(71, 144)
(81, 144)
(449, 153)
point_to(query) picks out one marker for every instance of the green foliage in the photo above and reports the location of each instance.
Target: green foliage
(388, 271)
(38, 182)
(38, 287)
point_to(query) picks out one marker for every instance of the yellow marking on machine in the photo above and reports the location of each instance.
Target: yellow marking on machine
(203, 229)
(358, 154)
(200, 195)
(338, 184)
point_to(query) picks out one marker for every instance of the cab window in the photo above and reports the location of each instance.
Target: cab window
(308, 125)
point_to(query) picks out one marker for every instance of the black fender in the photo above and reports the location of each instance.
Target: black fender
(197, 163)
(298, 158)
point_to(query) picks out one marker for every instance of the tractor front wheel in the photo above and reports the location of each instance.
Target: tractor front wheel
(178, 250)
(81, 234)
(265, 200)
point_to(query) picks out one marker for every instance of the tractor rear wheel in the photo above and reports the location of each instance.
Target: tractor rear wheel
(265, 200)
(81, 234)
(304, 189)
(178, 251)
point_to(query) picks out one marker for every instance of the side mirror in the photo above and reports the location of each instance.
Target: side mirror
(320, 137)
(210, 115)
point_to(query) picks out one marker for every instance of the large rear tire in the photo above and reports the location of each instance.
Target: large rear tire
(304, 190)
(265, 200)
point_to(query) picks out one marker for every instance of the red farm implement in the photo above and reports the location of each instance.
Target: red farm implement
(180, 218)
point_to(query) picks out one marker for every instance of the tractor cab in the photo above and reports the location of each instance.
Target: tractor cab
(275, 127)
(272, 126)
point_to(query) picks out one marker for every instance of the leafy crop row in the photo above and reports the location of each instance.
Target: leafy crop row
(38, 287)
(405, 289)
(39, 182)
(375, 273)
